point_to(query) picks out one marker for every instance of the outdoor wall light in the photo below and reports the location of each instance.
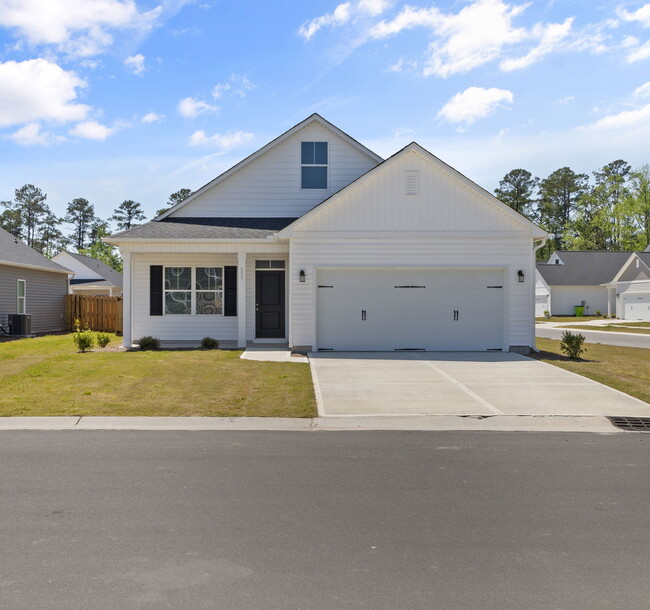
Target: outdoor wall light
(301, 275)
(520, 276)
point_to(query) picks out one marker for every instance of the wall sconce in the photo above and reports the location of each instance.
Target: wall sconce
(301, 275)
(520, 276)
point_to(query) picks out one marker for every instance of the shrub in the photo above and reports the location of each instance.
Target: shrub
(547, 315)
(209, 343)
(149, 343)
(103, 339)
(572, 344)
(83, 338)
(598, 313)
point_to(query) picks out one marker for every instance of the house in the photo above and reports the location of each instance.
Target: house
(317, 242)
(31, 284)
(91, 276)
(594, 279)
(542, 296)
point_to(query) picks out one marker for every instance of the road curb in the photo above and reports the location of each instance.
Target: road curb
(469, 423)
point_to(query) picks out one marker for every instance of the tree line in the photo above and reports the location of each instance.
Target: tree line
(610, 212)
(29, 218)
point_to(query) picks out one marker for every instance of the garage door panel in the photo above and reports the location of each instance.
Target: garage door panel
(431, 309)
(636, 306)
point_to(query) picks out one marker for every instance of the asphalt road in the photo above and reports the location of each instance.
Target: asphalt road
(264, 520)
(595, 336)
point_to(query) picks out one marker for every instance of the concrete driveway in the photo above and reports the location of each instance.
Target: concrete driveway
(458, 383)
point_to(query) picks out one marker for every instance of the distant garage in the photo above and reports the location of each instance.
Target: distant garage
(635, 305)
(410, 309)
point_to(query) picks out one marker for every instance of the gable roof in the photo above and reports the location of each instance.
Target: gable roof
(644, 257)
(109, 274)
(203, 228)
(15, 253)
(537, 231)
(314, 118)
(583, 268)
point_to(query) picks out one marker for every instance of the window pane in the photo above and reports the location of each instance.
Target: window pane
(21, 288)
(320, 153)
(178, 302)
(208, 278)
(21, 305)
(277, 264)
(307, 152)
(178, 278)
(314, 177)
(208, 303)
(263, 264)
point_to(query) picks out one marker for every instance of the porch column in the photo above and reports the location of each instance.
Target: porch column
(127, 340)
(241, 299)
(611, 300)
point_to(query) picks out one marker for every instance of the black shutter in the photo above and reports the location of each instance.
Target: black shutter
(230, 291)
(155, 290)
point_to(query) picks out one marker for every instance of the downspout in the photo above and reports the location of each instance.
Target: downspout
(542, 243)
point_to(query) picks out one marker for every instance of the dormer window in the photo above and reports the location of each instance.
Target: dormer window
(313, 165)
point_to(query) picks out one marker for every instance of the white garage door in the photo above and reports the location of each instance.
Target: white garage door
(402, 309)
(636, 305)
(541, 305)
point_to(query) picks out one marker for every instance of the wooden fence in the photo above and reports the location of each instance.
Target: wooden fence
(99, 313)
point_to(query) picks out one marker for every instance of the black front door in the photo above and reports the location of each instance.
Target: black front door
(269, 304)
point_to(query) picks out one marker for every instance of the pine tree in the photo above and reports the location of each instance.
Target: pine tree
(517, 190)
(127, 215)
(175, 198)
(81, 214)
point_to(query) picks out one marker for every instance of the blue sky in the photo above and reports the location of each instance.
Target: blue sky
(117, 99)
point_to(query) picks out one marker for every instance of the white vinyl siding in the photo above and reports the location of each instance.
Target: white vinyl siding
(270, 185)
(565, 298)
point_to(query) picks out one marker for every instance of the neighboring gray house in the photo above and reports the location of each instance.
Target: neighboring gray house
(32, 284)
(91, 276)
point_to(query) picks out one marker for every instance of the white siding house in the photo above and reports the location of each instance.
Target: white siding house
(632, 288)
(90, 276)
(317, 242)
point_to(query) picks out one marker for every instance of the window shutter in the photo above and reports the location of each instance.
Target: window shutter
(230, 291)
(155, 290)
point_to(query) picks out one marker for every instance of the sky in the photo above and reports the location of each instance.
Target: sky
(123, 99)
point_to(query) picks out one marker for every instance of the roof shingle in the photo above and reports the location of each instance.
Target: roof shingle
(15, 252)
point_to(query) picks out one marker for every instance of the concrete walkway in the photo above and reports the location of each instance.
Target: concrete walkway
(271, 353)
(459, 383)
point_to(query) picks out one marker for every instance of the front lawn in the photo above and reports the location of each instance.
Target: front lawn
(567, 319)
(46, 376)
(617, 328)
(625, 368)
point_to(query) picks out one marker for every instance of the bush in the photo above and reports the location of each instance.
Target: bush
(103, 339)
(149, 343)
(209, 343)
(598, 313)
(83, 338)
(572, 344)
(547, 315)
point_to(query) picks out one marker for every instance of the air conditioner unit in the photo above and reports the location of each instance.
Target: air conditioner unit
(20, 324)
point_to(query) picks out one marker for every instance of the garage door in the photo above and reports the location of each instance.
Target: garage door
(404, 309)
(636, 305)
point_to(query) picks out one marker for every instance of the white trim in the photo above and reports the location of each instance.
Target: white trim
(325, 165)
(174, 240)
(241, 299)
(314, 118)
(37, 267)
(24, 297)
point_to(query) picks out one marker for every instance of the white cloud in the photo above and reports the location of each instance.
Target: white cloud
(92, 130)
(642, 91)
(152, 117)
(224, 141)
(80, 28)
(566, 100)
(640, 53)
(135, 63)
(550, 37)
(474, 103)
(238, 84)
(190, 108)
(31, 135)
(627, 118)
(340, 15)
(37, 89)
(642, 15)
(373, 7)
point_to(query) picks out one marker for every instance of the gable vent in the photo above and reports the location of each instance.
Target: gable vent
(412, 184)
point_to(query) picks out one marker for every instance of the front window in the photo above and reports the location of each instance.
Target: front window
(21, 293)
(194, 290)
(313, 165)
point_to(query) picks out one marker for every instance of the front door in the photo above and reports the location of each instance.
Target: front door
(269, 304)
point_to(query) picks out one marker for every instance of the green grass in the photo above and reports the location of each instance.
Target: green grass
(46, 376)
(625, 368)
(567, 319)
(612, 328)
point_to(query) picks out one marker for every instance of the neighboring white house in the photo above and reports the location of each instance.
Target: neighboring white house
(317, 242)
(542, 296)
(632, 287)
(581, 278)
(91, 276)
